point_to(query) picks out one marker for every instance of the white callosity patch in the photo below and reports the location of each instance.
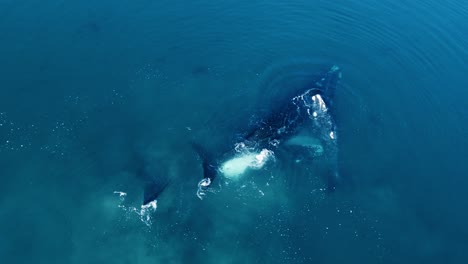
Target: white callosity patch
(318, 111)
(236, 166)
(313, 103)
(318, 104)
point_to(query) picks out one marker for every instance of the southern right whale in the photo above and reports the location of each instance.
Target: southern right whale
(304, 122)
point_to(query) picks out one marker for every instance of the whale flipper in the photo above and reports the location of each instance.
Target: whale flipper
(153, 188)
(208, 163)
(151, 173)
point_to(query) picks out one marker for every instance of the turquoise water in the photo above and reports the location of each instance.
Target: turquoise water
(84, 86)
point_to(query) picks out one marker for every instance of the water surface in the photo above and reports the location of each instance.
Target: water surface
(84, 86)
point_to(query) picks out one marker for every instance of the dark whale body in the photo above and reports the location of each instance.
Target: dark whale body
(293, 123)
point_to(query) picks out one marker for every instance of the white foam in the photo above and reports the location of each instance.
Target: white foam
(237, 166)
(145, 212)
(121, 194)
(202, 187)
(151, 205)
(262, 158)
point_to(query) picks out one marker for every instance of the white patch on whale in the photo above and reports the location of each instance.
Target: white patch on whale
(318, 103)
(237, 166)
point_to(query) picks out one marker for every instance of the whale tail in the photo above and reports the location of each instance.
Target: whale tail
(148, 170)
(151, 191)
(208, 163)
(153, 187)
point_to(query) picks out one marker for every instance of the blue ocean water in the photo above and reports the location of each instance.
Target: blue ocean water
(85, 85)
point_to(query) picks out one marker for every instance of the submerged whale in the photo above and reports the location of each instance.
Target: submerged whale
(303, 122)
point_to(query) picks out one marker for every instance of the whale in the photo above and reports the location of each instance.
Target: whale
(303, 122)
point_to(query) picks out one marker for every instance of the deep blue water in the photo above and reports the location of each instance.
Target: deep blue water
(85, 85)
